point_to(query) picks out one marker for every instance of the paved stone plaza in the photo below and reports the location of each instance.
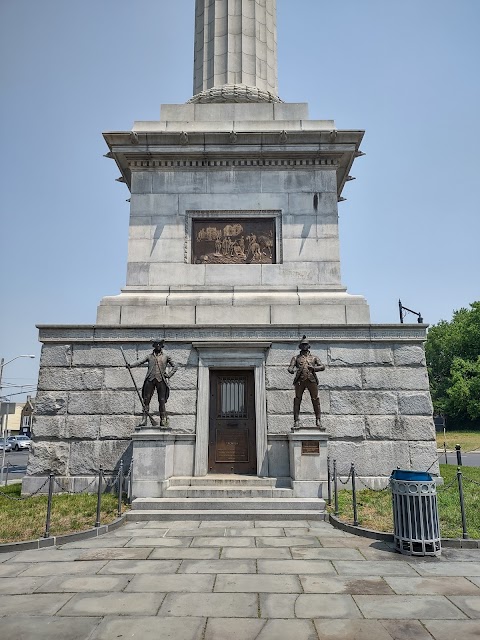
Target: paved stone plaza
(261, 580)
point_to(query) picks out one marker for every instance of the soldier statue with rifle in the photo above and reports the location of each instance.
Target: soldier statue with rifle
(305, 366)
(161, 367)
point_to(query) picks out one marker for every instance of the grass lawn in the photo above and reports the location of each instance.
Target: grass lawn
(468, 440)
(25, 520)
(375, 507)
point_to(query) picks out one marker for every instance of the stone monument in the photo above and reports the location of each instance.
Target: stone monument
(233, 255)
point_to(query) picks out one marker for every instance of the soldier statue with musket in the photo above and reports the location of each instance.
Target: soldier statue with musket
(305, 367)
(161, 367)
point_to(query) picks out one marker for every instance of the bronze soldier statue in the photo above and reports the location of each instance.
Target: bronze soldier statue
(161, 367)
(305, 367)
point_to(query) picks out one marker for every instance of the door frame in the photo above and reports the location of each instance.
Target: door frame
(230, 355)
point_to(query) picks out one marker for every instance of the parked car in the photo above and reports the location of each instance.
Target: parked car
(5, 444)
(19, 442)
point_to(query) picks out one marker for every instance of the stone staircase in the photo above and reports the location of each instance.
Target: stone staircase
(228, 497)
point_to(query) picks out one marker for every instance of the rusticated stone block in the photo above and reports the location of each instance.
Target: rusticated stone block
(119, 377)
(398, 378)
(86, 427)
(102, 355)
(424, 457)
(181, 423)
(282, 354)
(363, 402)
(344, 426)
(56, 355)
(50, 404)
(355, 354)
(181, 402)
(371, 458)
(184, 378)
(69, 379)
(48, 457)
(419, 404)
(86, 457)
(117, 427)
(281, 402)
(181, 355)
(279, 425)
(405, 355)
(48, 426)
(400, 428)
(101, 402)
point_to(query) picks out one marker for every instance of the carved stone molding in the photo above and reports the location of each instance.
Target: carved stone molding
(225, 163)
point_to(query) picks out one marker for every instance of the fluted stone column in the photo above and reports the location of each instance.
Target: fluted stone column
(235, 51)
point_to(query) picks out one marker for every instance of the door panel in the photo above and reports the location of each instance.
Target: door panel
(232, 439)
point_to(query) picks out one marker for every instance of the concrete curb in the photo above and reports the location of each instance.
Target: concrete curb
(451, 543)
(53, 541)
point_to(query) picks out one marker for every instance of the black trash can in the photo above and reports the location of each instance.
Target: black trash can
(415, 513)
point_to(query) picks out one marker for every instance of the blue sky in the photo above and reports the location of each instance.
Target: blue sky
(406, 71)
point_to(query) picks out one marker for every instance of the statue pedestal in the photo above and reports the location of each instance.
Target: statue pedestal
(308, 462)
(153, 458)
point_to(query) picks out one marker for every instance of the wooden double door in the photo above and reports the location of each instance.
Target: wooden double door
(232, 436)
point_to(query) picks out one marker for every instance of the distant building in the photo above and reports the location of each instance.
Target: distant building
(26, 416)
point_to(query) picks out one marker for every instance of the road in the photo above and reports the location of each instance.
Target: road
(18, 464)
(468, 459)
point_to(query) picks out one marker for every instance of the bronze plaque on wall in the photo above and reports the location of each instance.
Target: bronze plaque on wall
(232, 445)
(310, 448)
(233, 241)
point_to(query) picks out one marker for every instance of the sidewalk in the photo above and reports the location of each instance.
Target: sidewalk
(237, 581)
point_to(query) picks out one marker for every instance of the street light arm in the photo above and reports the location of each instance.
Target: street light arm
(4, 364)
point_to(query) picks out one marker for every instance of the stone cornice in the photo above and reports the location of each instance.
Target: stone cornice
(65, 334)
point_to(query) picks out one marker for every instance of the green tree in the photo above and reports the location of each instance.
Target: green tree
(453, 360)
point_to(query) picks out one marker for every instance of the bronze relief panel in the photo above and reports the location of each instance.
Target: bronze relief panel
(233, 241)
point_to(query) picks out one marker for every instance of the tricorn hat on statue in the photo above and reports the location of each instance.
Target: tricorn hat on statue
(160, 343)
(304, 343)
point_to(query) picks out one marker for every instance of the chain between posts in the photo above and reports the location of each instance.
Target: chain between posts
(30, 495)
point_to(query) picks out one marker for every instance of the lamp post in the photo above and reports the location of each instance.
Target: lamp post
(402, 309)
(2, 365)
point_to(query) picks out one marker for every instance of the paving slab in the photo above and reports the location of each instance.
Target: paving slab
(321, 553)
(96, 543)
(158, 542)
(227, 524)
(309, 605)
(286, 630)
(6, 556)
(460, 555)
(172, 524)
(120, 604)
(473, 579)
(16, 586)
(352, 630)
(257, 532)
(386, 553)
(183, 553)
(231, 553)
(200, 531)
(74, 584)
(139, 566)
(116, 554)
(218, 566)
(150, 628)
(7, 570)
(138, 533)
(407, 607)
(295, 566)
(151, 583)
(355, 542)
(233, 628)
(223, 542)
(46, 555)
(277, 523)
(407, 629)
(210, 605)
(468, 604)
(448, 568)
(351, 585)
(288, 541)
(133, 525)
(370, 568)
(453, 629)
(42, 627)
(238, 583)
(278, 605)
(63, 568)
(434, 586)
(33, 604)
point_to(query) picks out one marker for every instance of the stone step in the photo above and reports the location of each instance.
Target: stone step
(229, 480)
(169, 515)
(261, 504)
(217, 491)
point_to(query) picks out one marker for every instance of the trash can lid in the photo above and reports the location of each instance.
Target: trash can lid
(413, 476)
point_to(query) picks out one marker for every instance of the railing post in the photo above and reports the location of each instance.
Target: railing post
(329, 484)
(130, 483)
(49, 505)
(462, 504)
(335, 487)
(6, 475)
(458, 450)
(99, 497)
(120, 489)
(354, 497)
